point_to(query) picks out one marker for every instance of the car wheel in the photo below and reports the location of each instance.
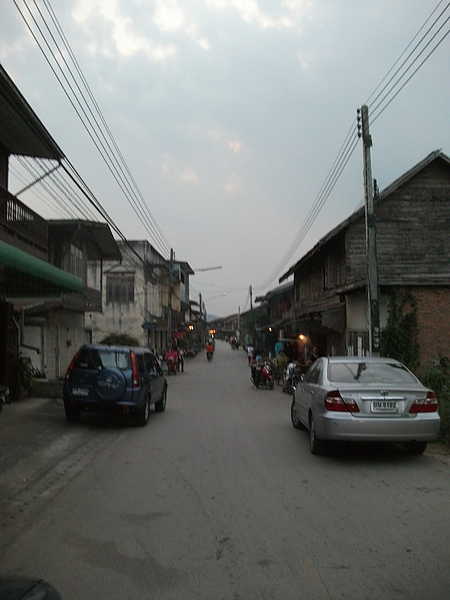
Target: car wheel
(415, 447)
(294, 418)
(160, 406)
(72, 413)
(144, 413)
(315, 445)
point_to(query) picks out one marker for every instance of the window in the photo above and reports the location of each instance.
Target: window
(312, 376)
(331, 272)
(76, 261)
(120, 288)
(369, 372)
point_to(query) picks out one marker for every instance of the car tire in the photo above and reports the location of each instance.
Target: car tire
(316, 445)
(144, 413)
(160, 406)
(72, 413)
(415, 447)
(294, 418)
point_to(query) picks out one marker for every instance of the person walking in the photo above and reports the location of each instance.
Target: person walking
(250, 353)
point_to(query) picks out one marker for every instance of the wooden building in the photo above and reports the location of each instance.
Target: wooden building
(413, 253)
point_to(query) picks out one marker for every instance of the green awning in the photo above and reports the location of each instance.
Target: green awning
(16, 260)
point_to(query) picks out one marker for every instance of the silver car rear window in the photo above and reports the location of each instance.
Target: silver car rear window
(369, 372)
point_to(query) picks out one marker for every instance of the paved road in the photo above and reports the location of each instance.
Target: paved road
(217, 498)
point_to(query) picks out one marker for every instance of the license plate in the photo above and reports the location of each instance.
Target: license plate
(384, 406)
(80, 391)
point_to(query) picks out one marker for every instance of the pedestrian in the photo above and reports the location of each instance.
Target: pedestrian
(180, 359)
(250, 353)
(279, 347)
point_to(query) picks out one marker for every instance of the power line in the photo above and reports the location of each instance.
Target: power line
(105, 144)
(350, 142)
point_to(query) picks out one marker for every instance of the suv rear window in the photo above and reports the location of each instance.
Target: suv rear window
(90, 358)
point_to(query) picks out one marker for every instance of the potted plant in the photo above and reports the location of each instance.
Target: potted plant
(21, 376)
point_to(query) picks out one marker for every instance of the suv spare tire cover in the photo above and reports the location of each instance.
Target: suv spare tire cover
(110, 384)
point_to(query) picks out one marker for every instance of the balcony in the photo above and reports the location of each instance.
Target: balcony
(22, 226)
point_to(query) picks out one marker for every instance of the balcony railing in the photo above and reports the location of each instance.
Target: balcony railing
(21, 222)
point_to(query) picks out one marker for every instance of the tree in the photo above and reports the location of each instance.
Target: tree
(119, 339)
(399, 337)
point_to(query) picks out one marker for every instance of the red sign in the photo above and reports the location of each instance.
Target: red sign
(178, 334)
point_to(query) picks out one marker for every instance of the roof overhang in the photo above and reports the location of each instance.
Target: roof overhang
(21, 131)
(98, 236)
(25, 275)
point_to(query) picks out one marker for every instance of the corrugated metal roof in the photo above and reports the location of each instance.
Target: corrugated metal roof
(36, 270)
(21, 131)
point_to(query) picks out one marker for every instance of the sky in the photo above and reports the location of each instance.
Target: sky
(230, 115)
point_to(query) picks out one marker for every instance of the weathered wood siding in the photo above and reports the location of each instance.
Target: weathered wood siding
(413, 232)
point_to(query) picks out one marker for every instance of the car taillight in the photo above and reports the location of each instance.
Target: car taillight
(134, 371)
(334, 401)
(72, 364)
(429, 404)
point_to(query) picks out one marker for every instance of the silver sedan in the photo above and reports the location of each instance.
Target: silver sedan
(364, 399)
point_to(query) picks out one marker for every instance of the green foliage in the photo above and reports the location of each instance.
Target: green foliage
(119, 339)
(399, 337)
(437, 377)
(21, 375)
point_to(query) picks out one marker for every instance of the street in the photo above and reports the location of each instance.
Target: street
(218, 497)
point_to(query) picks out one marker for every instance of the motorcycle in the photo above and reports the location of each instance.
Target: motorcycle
(291, 378)
(209, 356)
(263, 375)
(4, 393)
(171, 362)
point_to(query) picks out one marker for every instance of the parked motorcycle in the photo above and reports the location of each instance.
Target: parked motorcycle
(4, 393)
(263, 375)
(291, 378)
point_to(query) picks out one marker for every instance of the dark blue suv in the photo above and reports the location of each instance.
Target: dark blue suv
(114, 378)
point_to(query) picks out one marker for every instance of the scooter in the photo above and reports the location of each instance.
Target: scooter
(171, 365)
(291, 378)
(263, 375)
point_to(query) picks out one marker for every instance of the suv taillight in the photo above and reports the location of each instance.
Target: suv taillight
(134, 371)
(334, 401)
(72, 364)
(429, 404)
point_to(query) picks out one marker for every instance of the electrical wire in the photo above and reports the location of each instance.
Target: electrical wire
(115, 164)
(350, 143)
(129, 183)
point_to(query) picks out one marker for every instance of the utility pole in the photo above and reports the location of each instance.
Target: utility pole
(371, 246)
(250, 291)
(169, 313)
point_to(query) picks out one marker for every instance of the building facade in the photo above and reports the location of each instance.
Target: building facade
(413, 250)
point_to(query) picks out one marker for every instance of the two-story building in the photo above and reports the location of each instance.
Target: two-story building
(44, 288)
(413, 253)
(144, 295)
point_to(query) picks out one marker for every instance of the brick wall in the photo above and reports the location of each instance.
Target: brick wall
(433, 320)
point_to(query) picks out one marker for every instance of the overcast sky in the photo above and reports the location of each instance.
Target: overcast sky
(230, 115)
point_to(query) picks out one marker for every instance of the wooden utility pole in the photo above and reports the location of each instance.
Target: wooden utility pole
(371, 245)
